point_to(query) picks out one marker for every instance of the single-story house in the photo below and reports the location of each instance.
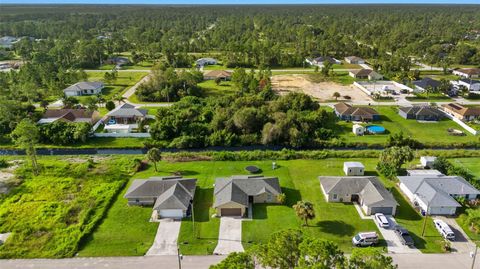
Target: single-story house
(467, 72)
(428, 161)
(353, 168)
(322, 59)
(422, 113)
(350, 113)
(461, 112)
(423, 84)
(221, 74)
(171, 197)
(365, 74)
(367, 191)
(354, 60)
(119, 61)
(235, 194)
(84, 88)
(471, 84)
(435, 194)
(126, 114)
(69, 115)
(206, 61)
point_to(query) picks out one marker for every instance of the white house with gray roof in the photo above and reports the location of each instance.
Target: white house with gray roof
(84, 88)
(171, 197)
(233, 195)
(367, 191)
(436, 194)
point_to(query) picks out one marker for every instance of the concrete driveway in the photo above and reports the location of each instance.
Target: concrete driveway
(230, 236)
(462, 243)
(393, 242)
(165, 242)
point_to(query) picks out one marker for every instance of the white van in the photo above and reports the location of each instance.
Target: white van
(365, 239)
(444, 229)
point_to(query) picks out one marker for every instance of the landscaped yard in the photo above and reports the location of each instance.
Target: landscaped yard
(50, 214)
(432, 132)
(124, 81)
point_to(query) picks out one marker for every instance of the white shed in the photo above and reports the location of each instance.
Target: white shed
(358, 129)
(427, 161)
(353, 168)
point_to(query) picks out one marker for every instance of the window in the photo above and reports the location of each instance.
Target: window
(334, 196)
(137, 200)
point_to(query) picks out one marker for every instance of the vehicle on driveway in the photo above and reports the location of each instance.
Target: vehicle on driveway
(365, 239)
(404, 236)
(381, 220)
(444, 229)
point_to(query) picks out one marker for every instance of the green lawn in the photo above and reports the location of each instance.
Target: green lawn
(338, 77)
(433, 132)
(124, 81)
(210, 88)
(432, 97)
(213, 67)
(346, 65)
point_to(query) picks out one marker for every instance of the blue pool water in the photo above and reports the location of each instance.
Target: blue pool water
(375, 129)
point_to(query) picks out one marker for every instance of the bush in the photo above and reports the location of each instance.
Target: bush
(3, 163)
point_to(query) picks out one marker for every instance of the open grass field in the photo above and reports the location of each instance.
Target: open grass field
(49, 215)
(432, 97)
(434, 132)
(119, 86)
(210, 88)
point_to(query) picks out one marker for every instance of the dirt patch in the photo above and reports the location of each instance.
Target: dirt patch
(323, 91)
(186, 158)
(94, 158)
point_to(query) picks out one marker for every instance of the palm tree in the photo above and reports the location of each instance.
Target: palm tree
(119, 98)
(304, 211)
(154, 155)
(336, 95)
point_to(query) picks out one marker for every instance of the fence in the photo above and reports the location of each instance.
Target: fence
(140, 135)
(461, 123)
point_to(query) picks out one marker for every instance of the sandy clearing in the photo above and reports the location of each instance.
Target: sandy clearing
(322, 91)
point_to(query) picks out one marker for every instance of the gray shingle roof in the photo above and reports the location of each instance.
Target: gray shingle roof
(127, 110)
(436, 190)
(84, 85)
(171, 192)
(425, 82)
(238, 188)
(421, 110)
(373, 193)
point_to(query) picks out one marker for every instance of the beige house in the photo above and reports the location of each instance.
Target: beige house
(365, 74)
(234, 195)
(461, 112)
(354, 60)
(221, 74)
(69, 115)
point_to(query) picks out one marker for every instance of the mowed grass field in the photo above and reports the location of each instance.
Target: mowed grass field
(126, 230)
(210, 88)
(124, 81)
(430, 132)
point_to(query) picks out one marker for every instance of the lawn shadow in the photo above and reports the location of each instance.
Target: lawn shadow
(260, 211)
(336, 227)
(405, 210)
(202, 204)
(184, 173)
(292, 196)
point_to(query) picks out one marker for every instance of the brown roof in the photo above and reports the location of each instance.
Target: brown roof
(347, 109)
(470, 71)
(464, 111)
(218, 74)
(68, 114)
(361, 72)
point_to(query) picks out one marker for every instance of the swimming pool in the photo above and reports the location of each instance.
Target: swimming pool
(375, 129)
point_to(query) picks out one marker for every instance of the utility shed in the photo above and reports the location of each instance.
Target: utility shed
(353, 168)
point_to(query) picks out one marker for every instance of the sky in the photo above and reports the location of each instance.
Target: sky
(239, 1)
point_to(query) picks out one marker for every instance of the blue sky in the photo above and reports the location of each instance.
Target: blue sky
(237, 1)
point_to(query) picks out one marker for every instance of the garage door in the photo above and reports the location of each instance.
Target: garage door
(231, 212)
(171, 213)
(384, 210)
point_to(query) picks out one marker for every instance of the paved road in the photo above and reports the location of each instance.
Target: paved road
(434, 261)
(165, 242)
(230, 236)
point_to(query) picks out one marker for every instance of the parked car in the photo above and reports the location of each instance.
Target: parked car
(381, 220)
(444, 229)
(404, 236)
(365, 239)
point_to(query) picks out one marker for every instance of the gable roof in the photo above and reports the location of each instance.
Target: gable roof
(421, 110)
(368, 187)
(322, 59)
(464, 111)
(172, 192)
(470, 81)
(364, 72)
(238, 188)
(84, 85)
(127, 110)
(353, 58)
(426, 82)
(218, 74)
(435, 190)
(347, 109)
(72, 115)
(469, 71)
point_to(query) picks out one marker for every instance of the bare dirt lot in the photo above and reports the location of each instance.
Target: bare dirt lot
(323, 91)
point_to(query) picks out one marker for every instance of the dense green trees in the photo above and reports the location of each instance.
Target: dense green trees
(292, 120)
(64, 133)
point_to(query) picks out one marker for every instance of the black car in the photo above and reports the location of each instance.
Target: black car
(404, 236)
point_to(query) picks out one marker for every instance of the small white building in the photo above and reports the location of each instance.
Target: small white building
(470, 84)
(358, 129)
(353, 168)
(427, 161)
(119, 128)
